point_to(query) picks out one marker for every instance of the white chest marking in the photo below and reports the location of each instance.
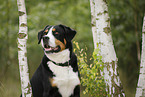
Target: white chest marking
(65, 79)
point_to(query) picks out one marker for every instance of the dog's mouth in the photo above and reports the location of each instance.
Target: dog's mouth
(49, 49)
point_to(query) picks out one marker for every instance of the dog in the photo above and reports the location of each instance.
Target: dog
(58, 74)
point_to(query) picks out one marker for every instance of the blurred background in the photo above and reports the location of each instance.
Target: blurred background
(126, 26)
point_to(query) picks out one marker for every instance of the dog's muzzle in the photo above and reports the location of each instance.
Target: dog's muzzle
(47, 48)
(45, 42)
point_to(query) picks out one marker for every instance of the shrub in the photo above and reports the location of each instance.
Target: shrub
(91, 74)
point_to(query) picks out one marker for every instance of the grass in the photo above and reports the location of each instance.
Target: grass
(10, 87)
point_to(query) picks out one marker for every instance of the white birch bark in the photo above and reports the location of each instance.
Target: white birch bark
(103, 41)
(22, 52)
(140, 91)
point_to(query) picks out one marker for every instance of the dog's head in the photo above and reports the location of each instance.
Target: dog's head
(55, 38)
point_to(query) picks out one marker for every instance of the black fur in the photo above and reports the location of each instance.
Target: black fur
(69, 33)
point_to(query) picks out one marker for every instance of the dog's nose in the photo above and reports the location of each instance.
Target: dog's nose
(45, 40)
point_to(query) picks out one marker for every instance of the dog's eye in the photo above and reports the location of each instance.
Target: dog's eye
(45, 33)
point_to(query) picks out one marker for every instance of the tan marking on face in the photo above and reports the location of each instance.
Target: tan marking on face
(51, 82)
(58, 42)
(53, 29)
(56, 33)
(46, 30)
(64, 41)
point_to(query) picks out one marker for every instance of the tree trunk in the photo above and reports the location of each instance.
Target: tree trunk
(140, 91)
(103, 40)
(22, 52)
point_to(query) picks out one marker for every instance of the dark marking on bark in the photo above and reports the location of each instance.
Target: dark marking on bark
(108, 20)
(21, 13)
(19, 49)
(22, 70)
(19, 45)
(100, 13)
(108, 66)
(97, 18)
(113, 65)
(108, 91)
(92, 16)
(100, 43)
(93, 25)
(29, 88)
(23, 25)
(93, 3)
(143, 92)
(19, 4)
(22, 80)
(25, 54)
(21, 35)
(105, 11)
(107, 30)
(118, 89)
(105, 1)
(22, 59)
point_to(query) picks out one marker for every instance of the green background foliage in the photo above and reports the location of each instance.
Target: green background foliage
(126, 19)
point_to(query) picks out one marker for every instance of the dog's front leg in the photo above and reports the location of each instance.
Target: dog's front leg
(46, 87)
(76, 91)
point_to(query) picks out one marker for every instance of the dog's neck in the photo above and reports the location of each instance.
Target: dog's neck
(60, 57)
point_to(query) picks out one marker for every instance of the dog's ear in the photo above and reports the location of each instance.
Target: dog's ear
(69, 33)
(41, 33)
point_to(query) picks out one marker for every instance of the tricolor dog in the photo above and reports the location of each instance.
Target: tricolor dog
(57, 75)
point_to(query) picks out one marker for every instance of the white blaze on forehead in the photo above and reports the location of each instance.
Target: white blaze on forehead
(51, 38)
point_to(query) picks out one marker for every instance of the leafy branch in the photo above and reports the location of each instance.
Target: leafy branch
(91, 74)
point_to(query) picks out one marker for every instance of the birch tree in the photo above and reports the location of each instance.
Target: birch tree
(140, 91)
(103, 40)
(22, 52)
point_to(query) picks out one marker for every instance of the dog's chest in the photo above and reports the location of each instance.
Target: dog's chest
(65, 79)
